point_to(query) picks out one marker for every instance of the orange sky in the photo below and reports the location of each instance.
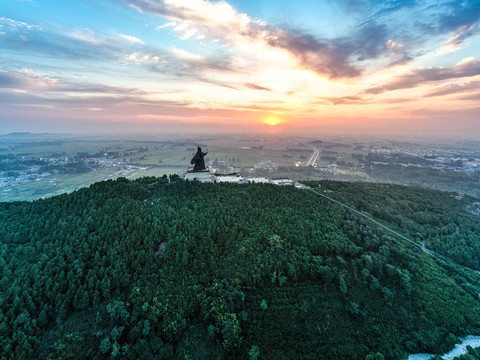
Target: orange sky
(131, 65)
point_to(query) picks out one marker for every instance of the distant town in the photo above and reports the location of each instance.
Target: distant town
(39, 165)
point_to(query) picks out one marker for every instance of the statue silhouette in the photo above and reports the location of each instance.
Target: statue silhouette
(199, 160)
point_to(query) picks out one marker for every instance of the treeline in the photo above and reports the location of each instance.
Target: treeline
(171, 269)
(426, 178)
(440, 219)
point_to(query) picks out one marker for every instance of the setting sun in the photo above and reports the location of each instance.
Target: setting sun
(272, 121)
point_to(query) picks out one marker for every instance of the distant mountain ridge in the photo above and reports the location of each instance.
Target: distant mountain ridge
(26, 133)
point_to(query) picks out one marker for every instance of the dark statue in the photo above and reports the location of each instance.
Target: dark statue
(199, 160)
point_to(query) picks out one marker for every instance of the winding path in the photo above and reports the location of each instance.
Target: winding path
(469, 340)
(421, 246)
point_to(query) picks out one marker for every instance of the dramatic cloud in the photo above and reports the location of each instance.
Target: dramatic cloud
(127, 102)
(314, 54)
(458, 37)
(368, 41)
(462, 13)
(454, 89)
(163, 59)
(395, 46)
(219, 21)
(465, 68)
(75, 45)
(27, 79)
(179, 63)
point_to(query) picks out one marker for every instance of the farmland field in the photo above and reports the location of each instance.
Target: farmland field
(34, 166)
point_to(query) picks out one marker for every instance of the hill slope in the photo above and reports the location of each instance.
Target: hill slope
(154, 268)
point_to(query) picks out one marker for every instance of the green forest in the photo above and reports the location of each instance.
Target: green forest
(161, 268)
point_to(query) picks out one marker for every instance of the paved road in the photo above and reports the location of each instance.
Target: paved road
(314, 157)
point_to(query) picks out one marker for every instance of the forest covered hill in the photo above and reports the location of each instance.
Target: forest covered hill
(170, 269)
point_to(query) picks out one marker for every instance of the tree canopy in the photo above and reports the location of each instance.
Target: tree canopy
(165, 268)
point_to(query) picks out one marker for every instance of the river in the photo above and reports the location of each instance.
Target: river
(459, 349)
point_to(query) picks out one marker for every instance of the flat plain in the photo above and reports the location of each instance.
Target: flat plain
(35, 166)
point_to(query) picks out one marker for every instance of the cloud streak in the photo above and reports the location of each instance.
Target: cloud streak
(76, 45)
(466, 68)
(132, 39)
(456, 39)
(453, 89)
(29, 80)
(12, 24)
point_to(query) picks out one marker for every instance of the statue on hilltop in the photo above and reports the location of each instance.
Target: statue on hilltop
(199, 160)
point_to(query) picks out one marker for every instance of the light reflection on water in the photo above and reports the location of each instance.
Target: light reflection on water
(459, 349)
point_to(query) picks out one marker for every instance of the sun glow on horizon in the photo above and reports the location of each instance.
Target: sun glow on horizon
(233, 63)
(272, 121)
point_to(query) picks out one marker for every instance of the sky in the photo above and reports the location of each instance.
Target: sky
(344, 66)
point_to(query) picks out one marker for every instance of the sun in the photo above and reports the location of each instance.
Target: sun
(272, 121)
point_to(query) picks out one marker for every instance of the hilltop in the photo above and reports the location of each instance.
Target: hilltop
(165, 268)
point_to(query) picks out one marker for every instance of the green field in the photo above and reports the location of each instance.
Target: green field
(156, 158)
(339, 159)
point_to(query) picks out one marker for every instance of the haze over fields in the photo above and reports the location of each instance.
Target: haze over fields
(376, 67)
